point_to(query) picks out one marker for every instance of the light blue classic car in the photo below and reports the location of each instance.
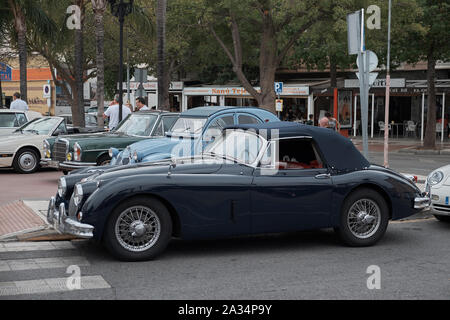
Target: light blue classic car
(191, 133)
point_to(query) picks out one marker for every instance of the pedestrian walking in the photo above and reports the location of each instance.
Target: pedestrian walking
(332, 122)
(113, 113)
(18, 104)
(140, 104)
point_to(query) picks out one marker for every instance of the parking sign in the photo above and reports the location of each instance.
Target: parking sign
(278, 87)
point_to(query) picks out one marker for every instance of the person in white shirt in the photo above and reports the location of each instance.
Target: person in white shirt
(18, 104)
(113, 113)
(140, 104)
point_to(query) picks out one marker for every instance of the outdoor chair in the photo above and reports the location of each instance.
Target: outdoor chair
(381, 125)
(411, 127)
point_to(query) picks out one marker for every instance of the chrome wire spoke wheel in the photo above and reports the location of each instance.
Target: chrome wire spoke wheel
(364, 218)
(137, 228)
(27, 161)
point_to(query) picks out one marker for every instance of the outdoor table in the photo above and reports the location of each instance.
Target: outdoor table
(396, 125)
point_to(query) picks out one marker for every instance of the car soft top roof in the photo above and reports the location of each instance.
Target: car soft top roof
(339, 151)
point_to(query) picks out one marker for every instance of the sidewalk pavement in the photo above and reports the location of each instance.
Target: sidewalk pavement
(25, 220)
(403, 145)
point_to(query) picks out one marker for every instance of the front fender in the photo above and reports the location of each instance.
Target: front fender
(102, 202)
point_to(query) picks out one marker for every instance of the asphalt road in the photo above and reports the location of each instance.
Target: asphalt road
(413, 258)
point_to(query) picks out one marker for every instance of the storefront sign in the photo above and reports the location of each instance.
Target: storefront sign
(239, 91)
(5, 72)
(378, 83)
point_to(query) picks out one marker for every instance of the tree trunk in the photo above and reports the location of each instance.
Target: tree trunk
(163, 89)
(78, 108)
(99, 7)
(430, 133)
(268, 64)
(333, 72)
(21, 30)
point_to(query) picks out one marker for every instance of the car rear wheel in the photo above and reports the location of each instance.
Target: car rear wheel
(138, 229)
(26, 161)
(364, 218)
(442, 218)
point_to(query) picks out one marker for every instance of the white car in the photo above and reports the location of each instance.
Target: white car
(24, 148)
(438, 185)
(10, 120)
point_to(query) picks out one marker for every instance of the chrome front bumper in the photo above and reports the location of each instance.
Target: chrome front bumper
(422, 203)
(72, 165)
(67, 225)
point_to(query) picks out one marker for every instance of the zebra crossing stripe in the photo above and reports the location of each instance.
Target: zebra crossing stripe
(42, 263)
(43, 286)
(35, 246)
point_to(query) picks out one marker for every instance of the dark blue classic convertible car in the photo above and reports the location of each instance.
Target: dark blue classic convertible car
(262, 178)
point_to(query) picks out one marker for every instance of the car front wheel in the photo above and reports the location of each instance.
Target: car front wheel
(138, 229)
(364, 218)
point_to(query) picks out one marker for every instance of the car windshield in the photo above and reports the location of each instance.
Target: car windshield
(188, 125)
(8, 120)
(40, 126)
(238, 145)
(138, 125)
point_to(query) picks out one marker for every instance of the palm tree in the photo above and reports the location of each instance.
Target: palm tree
(161, 67)
(99, 7)
(26, 12)
(78, 113)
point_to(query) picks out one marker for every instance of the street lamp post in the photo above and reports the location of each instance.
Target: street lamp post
(121, 9)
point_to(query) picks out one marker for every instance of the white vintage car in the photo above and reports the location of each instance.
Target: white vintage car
(438, 185)
(23, 148)
(10, 120)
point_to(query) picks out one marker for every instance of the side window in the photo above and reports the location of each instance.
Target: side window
(159, 130)
(247, 119)
(168, 123)
(62, 127)
(297, 154)
(216, 126)
(21, 119)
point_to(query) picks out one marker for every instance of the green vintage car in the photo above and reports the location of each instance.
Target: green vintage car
(77, 151)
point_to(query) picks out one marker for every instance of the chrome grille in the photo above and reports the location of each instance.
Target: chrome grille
(60, 149)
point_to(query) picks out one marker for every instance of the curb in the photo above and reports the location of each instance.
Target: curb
(443, 152)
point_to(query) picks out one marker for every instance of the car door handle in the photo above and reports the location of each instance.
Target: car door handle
(323, 176)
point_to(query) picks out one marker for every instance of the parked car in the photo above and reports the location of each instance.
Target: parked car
(10, 120)
(263, 178)
(438, 186)
(85, 150)
(191, 133)
(23, 148)
(90, 124)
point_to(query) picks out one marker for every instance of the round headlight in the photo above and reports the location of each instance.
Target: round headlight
(78, 194)
(435, 178)
(62, 187)
(135, 156)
